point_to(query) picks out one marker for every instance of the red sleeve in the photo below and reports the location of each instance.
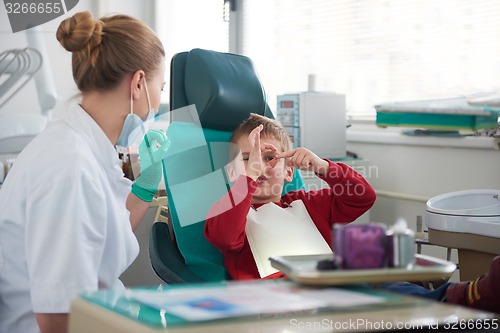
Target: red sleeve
(226, 221)
(350, 194)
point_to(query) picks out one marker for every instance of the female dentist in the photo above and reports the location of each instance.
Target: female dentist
(67, 213)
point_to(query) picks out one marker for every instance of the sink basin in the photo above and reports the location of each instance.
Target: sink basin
(470, 211)
(468, 221)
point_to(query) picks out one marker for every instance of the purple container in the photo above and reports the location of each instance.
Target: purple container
(359, 246)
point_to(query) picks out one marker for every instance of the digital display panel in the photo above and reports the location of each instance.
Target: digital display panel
(287, 104)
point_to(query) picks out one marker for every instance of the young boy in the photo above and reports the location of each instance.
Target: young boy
(266, 162)
(262, 222)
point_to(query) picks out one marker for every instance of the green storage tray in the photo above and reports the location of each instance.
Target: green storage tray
(437, 120)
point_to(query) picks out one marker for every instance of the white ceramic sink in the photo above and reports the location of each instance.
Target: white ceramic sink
(470, 211)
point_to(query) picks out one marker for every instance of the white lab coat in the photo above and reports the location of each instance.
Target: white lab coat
(64, 228)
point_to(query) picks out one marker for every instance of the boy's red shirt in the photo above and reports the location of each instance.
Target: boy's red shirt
(347, 198)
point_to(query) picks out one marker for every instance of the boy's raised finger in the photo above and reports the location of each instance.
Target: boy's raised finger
(254, 135)
(268, 146)
(286, 153)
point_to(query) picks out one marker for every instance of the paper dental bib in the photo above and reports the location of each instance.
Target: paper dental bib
(273, 231)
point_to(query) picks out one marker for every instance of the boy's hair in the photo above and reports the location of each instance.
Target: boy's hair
(272, 129)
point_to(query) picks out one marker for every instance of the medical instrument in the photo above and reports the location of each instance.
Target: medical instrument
(17, 67)
(400, 246)
(20, 65)
(316, 121)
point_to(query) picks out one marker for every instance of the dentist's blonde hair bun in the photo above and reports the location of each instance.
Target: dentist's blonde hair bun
(107, 49)
(80, 31)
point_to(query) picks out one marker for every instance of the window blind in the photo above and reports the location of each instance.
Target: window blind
(374, 51)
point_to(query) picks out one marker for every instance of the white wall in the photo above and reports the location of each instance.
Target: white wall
(58, 58)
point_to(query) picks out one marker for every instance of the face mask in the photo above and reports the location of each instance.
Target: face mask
(134, 128)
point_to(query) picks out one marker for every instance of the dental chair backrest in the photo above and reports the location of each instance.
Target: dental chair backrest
(225, 89)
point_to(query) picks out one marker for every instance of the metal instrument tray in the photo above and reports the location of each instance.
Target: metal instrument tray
(302, 269)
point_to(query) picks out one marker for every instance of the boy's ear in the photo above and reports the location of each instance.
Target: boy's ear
(231, 172)
(289, 170)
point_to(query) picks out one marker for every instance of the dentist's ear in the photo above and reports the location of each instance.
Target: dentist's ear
(137, 81)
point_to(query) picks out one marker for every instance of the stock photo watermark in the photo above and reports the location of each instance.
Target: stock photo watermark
(25, 14)
(364, 324)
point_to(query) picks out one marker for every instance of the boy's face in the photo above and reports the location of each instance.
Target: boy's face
(271, 180)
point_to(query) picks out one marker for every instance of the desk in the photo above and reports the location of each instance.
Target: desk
(87, 316)
(475, 252)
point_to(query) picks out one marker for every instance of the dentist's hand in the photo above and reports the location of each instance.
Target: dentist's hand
(152, 150)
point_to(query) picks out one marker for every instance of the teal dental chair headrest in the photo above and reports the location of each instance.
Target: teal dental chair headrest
(223, 86)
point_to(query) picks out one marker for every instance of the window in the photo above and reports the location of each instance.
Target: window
(374, 51)
(186, 24)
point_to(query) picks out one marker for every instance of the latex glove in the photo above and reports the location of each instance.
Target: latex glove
(152, 150)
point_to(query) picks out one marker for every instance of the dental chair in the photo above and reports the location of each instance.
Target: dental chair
(211, 93)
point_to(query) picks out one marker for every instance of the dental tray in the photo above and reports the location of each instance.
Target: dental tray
(302, 269)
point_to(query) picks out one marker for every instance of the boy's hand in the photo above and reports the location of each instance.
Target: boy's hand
(304, 159)
(255, 166)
